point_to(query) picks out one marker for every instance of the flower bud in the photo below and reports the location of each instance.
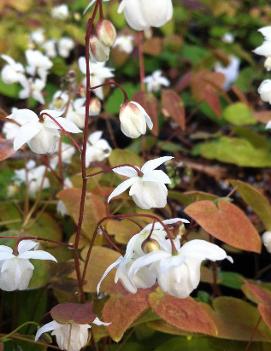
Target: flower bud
(106, 33)
(95, 107)
(267, 63)
(134, 120)
(266, 238)
(265, 90)
(98, 50)
(150, 245)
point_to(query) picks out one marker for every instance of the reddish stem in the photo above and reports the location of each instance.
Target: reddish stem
(140, 42)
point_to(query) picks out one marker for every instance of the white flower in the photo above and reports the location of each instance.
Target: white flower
(69, 336)
(147, 190)
(265, 91)
(156, 81)
(60, 207)
(16, 270)
(37, 36)
(67, 152)
(265, 48)
(98, 74)
(145, 277)
(98, 149)
(41, 134)
(142, 14)
(34, 177)
(13, 72)
(134, 120)
(231, 72)
(99, 52)
(10, 129)
(266, 239)
(32, 88)
(179, 274)
(50, 48)
(76, 112)
(65, 46)
(125, 43)
(60, 12)
(38, 63)
(59, 101)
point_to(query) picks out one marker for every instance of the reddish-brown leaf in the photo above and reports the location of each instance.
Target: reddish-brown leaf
(206, 87)
(172, 106)
(6, 149)
(73, 313)
(123, 309)
(153, 46)
(149, 103)
(184, 314)
(226, 222)
(263, 297)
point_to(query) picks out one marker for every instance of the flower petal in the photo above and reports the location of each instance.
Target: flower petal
(97, 321)
(52, 113)
(24, 115)
(157, 176)
(125, 171)
(26, 133)
(121, 188)
(38, 255)
(26, 245)
(153, 164)
(107, 271)
(6, 252)
(47, 328)
(94, 137)
(65, 123)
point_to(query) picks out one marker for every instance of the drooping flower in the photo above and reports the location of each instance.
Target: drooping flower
(266, 239)
(65, 46)
(265, 90)
(59, 100)
(69, 336)
(50, 48)
(141, 14)
(125, 43)
(98, 148)
(179, 274)
(230, 72)
(134, 120)
(60, 12)
(32, 88)
(228, 38)
(16, 270)
(38, 36)
(106, 32)
(147, 276)
(41, 134)
(99, 73)
(33, 176)
(147, 185)
(156, 81)
(61, 208)
(265, 48)
(12, 72)
(38, 63)
(67, 152)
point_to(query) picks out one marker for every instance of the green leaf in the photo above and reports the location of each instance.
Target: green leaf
(119, 157)
(116, 98)
(237, 151)
(239, 114)
(10, 90)
(231, 280)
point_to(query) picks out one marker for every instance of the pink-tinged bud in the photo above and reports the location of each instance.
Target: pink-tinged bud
(98, 50)
(95, 107)
(106, 33)
(134, 120)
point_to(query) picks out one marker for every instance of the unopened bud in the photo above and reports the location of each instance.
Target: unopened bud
(134, 120)
(95, 107)
(150, 245)
(106, 33)
(98, 50)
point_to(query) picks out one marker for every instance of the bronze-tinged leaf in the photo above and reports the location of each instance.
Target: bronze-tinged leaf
(184, 314)
(189, 197)
(149, 103)
(238, 320)
(256, 200)
(263, 116)
(6, 149)
(207, 87)
(100, 259)
(226, 222)
(95, 208)
(123, 309)
(262, 297)
(73, 313)
(172, 106)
